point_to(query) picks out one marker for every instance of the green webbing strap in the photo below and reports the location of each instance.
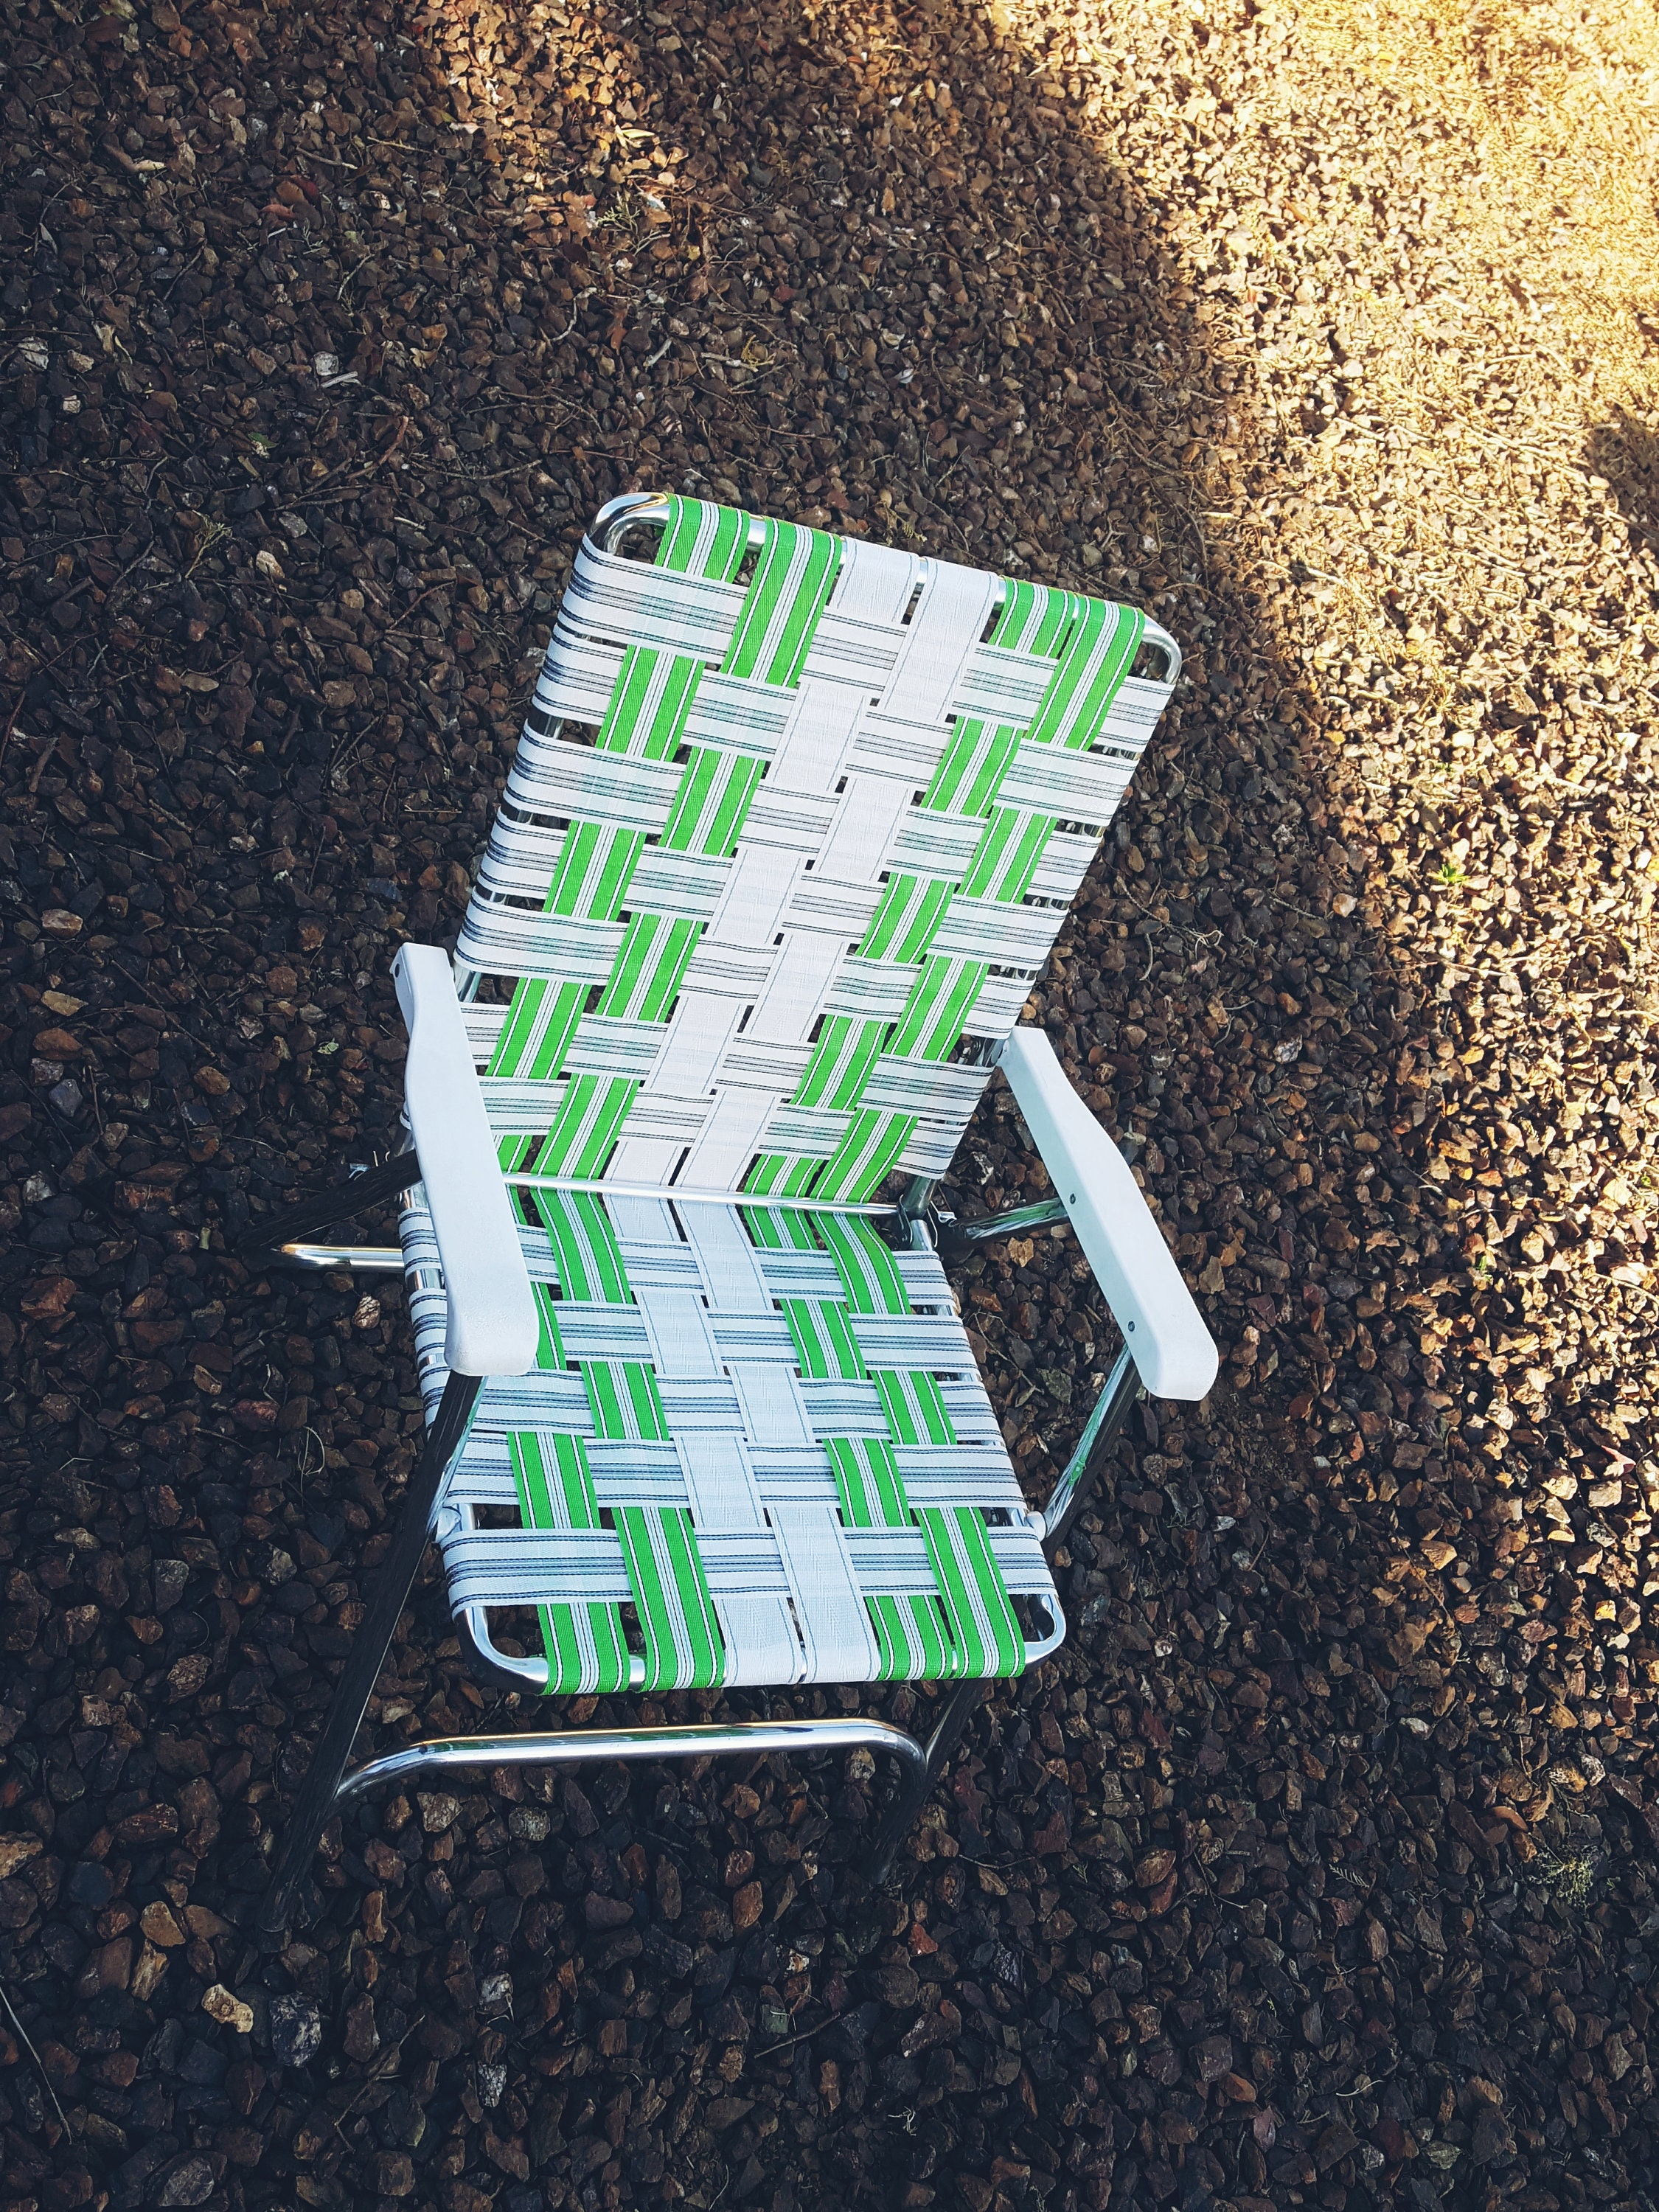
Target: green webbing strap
(585, 1647)
(1095, 644)
(969, 1628)
(647, 715)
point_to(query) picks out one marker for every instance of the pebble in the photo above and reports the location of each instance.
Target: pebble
(296, 2030)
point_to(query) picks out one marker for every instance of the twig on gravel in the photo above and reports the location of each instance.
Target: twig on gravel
(488, 475)
(381, 2067)
(11, 723)
(444, 584)
(39, 767)
(28, 2045)
(574, 315)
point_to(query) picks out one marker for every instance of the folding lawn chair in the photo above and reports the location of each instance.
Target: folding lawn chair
(792, 825)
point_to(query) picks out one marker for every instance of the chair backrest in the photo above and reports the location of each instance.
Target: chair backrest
(792, 827)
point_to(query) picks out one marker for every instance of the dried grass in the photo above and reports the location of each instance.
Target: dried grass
(1561, 107)
(1411, 249)
(1430, 231)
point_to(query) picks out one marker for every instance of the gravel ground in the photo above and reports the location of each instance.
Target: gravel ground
(1316, 1871)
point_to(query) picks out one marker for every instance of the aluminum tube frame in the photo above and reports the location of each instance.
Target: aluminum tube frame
(1066, 1502)
(1066, 1499)
(527, 1676)
(1048, 1213)
(393, 1581)
(388, 1259)
(918, 1766)
(673, 1195)
(294, 1223)
(363, 1259)
(578, 1746)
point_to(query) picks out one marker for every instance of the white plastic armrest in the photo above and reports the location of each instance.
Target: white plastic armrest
(493, 1324)
(1174, 1353)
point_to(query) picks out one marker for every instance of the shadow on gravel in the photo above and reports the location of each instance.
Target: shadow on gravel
(1627, 452)
(927, 307)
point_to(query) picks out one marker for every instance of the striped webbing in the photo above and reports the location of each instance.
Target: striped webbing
(844, 1133)
(966, 1626)
(969, 1627)
(585, 1647)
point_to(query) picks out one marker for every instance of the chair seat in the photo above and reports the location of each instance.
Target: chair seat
(755, 1447)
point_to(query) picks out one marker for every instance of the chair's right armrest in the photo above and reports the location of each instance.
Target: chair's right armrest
(494, 1329)
(1174, 1352)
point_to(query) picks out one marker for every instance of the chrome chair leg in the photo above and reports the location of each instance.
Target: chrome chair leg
(310, 1811)
(1069, 1496)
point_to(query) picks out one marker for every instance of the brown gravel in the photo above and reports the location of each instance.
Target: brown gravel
(1317, 1870)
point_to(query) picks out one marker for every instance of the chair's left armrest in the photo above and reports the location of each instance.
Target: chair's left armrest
(1174, 1352)
(494, 1329)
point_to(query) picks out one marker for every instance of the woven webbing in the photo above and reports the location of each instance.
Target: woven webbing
(823, 837)
(971, 1600)
(754, 1449)
(793, 821)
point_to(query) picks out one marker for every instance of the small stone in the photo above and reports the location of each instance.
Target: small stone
(229, 2010)
(900, 1988)
(605, 1913)
(48, 1298)
(16, 1851)
(160, 1925)
(1155, 1868)
(1333, 2145)
(187, 1675)
(109, 1967)
(1213, 2057)
(153, 1964)
(296, 2030)
(1491, 2140)
(189, 2180)
(1398, 2143)
(507, 2154)
(360, 2038)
